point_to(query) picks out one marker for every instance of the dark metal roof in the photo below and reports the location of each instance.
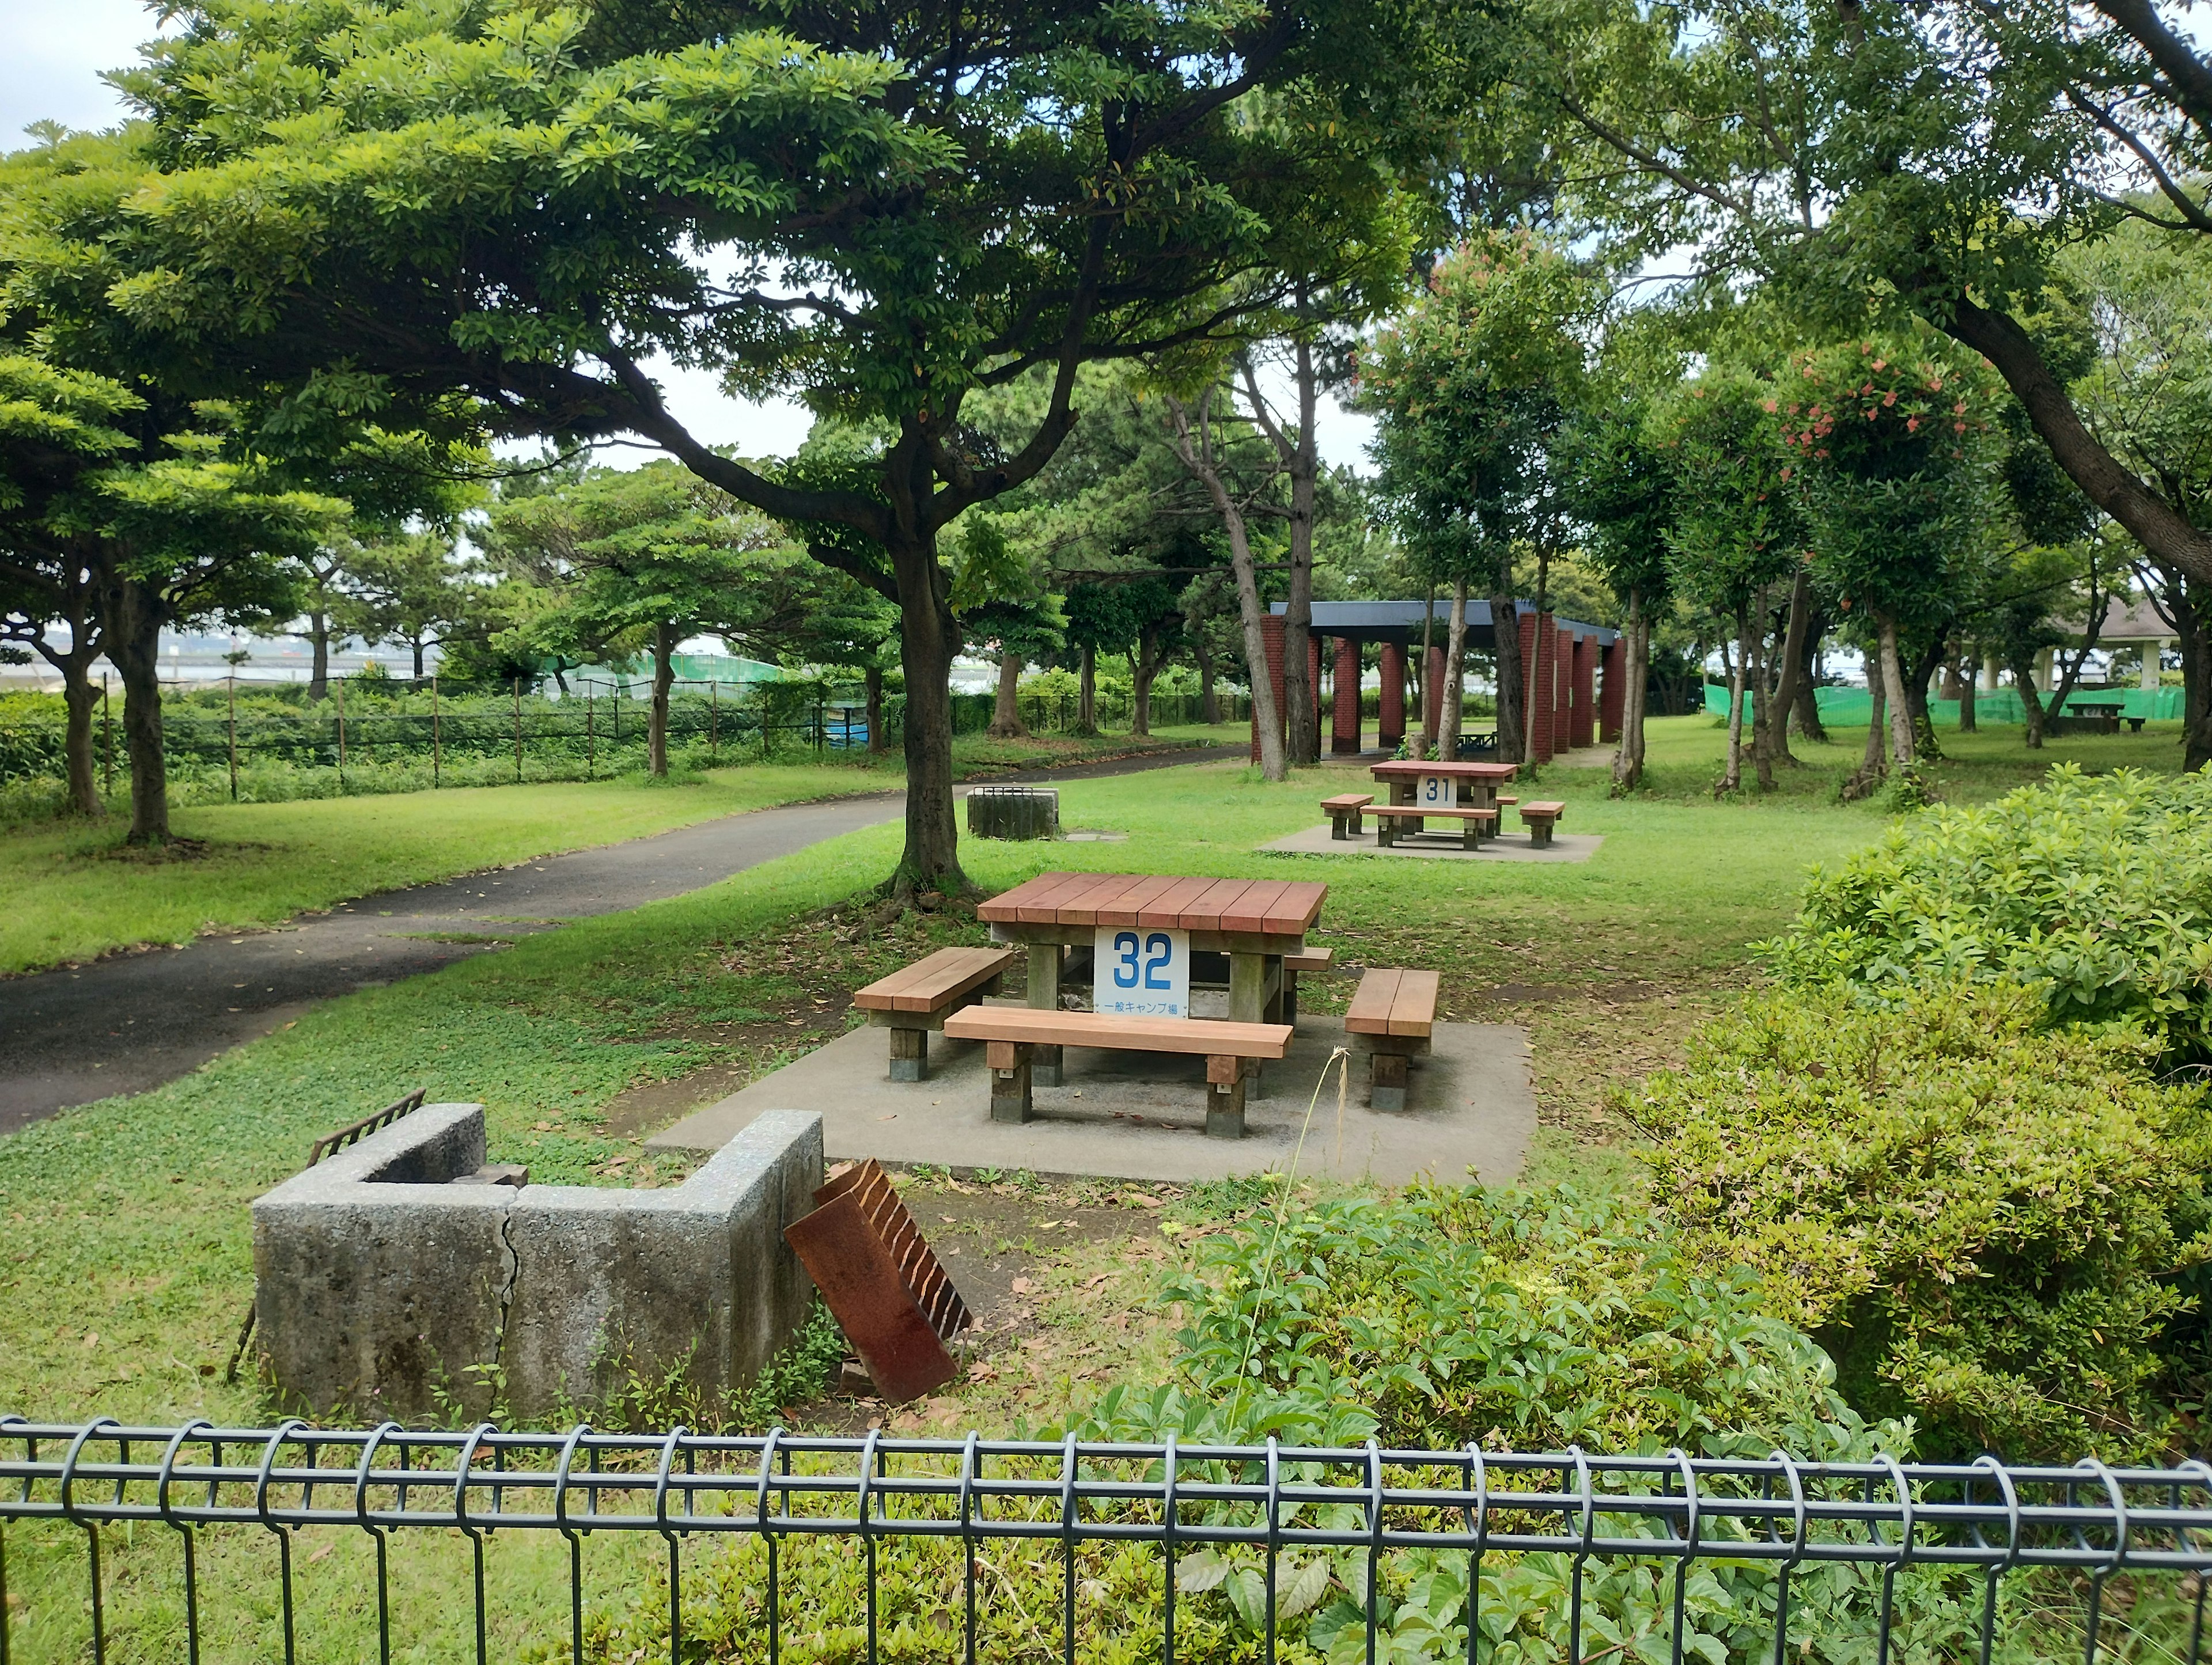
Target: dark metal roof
(1387, 619)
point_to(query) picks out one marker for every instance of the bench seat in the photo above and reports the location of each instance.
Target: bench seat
(1013, 1034)
(1390, 1019)
(1313, 960)
(1475, 823)
(918, 998)
(1343, 811)
(1539, 817)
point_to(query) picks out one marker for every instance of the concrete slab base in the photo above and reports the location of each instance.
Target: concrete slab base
(1511, 847)
(1142, 1116)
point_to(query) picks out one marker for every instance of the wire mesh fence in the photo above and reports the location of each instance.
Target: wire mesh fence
(878, 1548)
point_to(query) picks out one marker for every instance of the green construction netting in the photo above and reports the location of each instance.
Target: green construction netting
(1845, 707)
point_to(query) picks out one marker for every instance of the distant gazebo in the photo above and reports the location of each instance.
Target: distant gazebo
(1575, 687)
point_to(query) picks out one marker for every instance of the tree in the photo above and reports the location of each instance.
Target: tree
(1888, 162)
(531, 204)
(642, 559)
(1737, 536)
(1893, 451)
(59, 425)
(999, 598)
(1471, 388)
(413, 588)
(1621, 486)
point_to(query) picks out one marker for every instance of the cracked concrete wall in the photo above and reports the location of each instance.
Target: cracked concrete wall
(378, 1286)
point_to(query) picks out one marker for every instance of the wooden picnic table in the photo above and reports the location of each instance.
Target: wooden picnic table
(1254, 922)
(1476, 784)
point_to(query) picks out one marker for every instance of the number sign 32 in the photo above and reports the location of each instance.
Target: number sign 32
(1141, 974)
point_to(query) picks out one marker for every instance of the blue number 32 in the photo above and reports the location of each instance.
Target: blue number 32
(1158, 949)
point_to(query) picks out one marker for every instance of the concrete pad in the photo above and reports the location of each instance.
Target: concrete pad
(1140, 1116)
(1511, 847)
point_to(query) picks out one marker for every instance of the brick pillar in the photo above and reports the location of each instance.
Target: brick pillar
(1313, 681)
(1392, 702)
(1584, 729)
(1563, 684)
(1541, 635)
(1525, 629)
(1613, 689)
(1271, 631)
(1344, 717)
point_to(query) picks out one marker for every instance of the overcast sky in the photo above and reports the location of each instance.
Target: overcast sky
(50, 70)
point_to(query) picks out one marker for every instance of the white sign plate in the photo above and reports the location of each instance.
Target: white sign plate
(1435, 792)
(1141, 974)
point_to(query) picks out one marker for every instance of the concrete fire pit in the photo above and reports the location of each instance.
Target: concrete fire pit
(384, 1287)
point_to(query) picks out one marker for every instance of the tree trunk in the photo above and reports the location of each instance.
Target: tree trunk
(1144, 667)
(1086, 690)
(872, 680)
(1792, 668)
(1006, 711)
(1628, 755)
(1892, 683)
(1448, 720)
(2113, 488)
(2031, 700)
(1918, 673)
(1807, 704)
(1505, 630)
(418, 643)
(1870, 770)
(1966, 701)
(928, 638)
(1299, 694)
(80, 700)
(132, 624)
(1429, 707)
(1209, 702)
(2175, 598)
(664, 674)
(1195, 452)
(1763, 703)
(319, 638)
(1732, 772)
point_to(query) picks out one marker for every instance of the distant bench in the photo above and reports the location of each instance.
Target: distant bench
(1476, 824)
(1014, 1032)
(1343, 811)
(1539, 817)
(919, 998)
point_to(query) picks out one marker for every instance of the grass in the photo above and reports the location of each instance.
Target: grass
(80, 892)
(125, 1257)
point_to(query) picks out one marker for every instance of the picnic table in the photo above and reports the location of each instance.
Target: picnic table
(1473, 786)
(1154, 922)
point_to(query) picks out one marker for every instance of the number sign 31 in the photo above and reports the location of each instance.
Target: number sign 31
(1141, 974)
(1433, 792)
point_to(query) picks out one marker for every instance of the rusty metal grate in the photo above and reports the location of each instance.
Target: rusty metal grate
(886, 1288)
(354, 1133)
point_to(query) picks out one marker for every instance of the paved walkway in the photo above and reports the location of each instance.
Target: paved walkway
(130, 1023)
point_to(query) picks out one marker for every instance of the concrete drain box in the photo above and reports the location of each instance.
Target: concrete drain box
(382, 1288)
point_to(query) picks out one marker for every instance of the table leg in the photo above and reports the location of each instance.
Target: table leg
(1044, 996)
(1401, 792)
(1248, 988)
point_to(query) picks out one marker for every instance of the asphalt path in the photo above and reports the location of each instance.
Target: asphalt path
(131, 1022)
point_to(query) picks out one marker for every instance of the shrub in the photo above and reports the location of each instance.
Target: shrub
(2095, 892)
(1982, 1220)
(1444, 1315)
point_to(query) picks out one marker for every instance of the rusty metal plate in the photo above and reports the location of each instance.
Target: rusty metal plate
(919, 1268)
(862, 1283)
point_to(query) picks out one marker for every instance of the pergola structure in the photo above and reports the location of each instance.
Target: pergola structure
(1574, 686)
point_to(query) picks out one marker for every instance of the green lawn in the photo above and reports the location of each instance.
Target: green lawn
(78, 892)
(125, 1254)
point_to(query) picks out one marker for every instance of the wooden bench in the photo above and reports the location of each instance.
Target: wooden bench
(1343, 812)
(1538, 818)
(1474, 823)
(1390, 1019)
(1013, 1033)
(1315, 960)
(919, 998)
